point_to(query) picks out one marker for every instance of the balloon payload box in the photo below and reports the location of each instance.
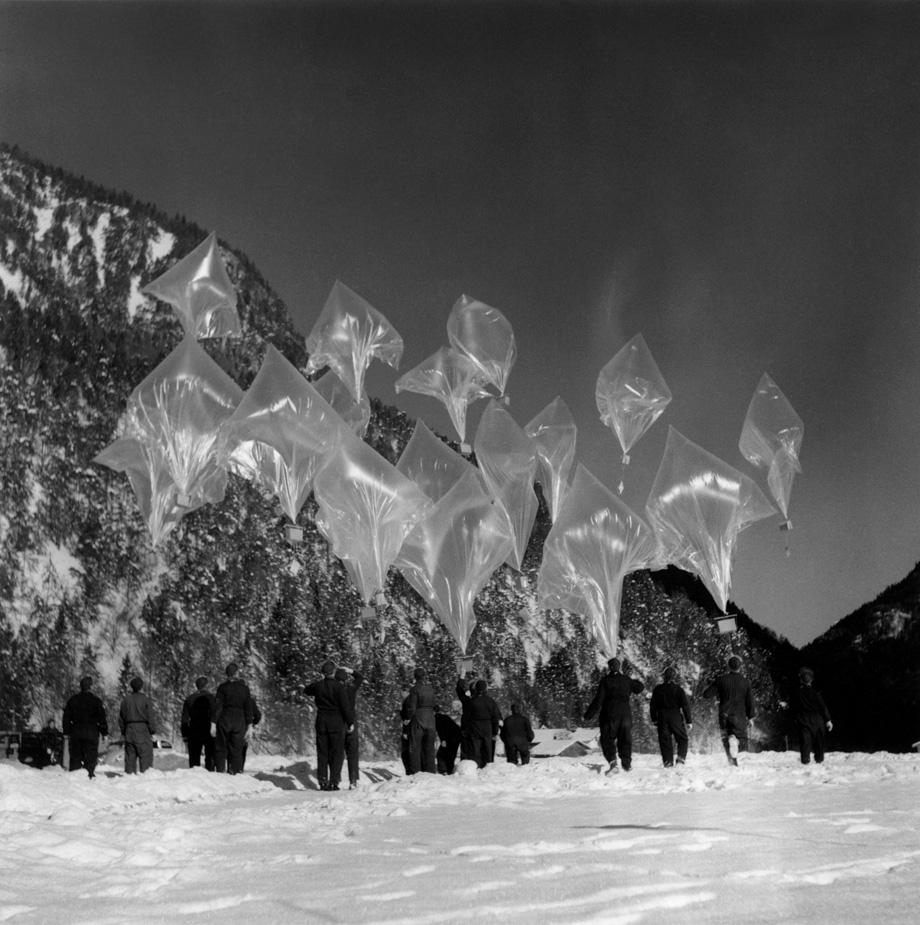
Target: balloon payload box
(293, 533)
(464, 665)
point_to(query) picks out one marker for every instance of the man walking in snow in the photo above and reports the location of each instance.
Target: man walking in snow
(736, 707)
(420, 709)
(811, 717)
(136, 720)
(612, 700)
(198, 712)
(670, 712)
(233, 713)
(517, 734)
(334, 717)
(352, 680)
(483, 721)
(84, 722)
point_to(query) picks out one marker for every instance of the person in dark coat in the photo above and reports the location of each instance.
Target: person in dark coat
(253, 719)
(233, 712)
(484, 721)
(404, 743)
(736, 706)
(334, 717)
(612, 701)
(195, 725)
(352, 681)
(85, 721)
(811, 717)
(517, 734)
(137, 723)
(449, 738)
(465, 696)
(420, 710)
(670, 712)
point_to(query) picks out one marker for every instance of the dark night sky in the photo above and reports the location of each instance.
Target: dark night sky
(736, 181)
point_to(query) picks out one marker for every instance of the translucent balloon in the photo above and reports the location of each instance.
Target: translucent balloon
(484, 334)
(199, 289)
(451, 377)
(594, 543)
(431, 463)
(366, 510)
(771, 438)
(356, 414)
(177, 414)
(553, 433)
(508, 462)
(697, 507)
(451, 554)
(631, 394)
(148, 475)
(348, 334)
(282, 432)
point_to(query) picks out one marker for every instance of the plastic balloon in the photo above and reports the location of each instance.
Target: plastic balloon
(431, 463)
(553, 433)
(451, 377)
(282, 431)
(508, 462)
(484, 334)
(199, 289)
(771, 438)
(366, 510)
(631, 394)
(595, 541)
(451, 554)
(177, 414)
(356, 414)
(348, 334)
(697, 507)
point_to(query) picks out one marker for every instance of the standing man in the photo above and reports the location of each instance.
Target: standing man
(351, 680)
(334, 718)
(233, 712)
(484, 721)
(517, 734)
(420, 709)
(198, 712)
(612, 700)
(84, 722)
(809, 713)
(736, 707)
(670, 712)
(137, 724)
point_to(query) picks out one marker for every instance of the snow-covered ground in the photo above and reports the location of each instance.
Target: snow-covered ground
(557, 841)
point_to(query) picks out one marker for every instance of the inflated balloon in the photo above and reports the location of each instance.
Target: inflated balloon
(431, 463)
(366, 510)
(595, 541)
(484, 334)
(771, 438)
(697, 507)
(451, 554)
(282, 432)
(508, 461)
(348, 334)
(553, 433)
(356, 414)
(199, 289)
(148, 476)
(631, 394)
(451, 377)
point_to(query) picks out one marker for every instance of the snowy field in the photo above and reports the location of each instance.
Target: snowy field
(557, 841)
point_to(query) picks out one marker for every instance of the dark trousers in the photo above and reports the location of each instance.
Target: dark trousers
(671, 729)
(138, 748)
(229, 749)
(330, 753)
(616, 739)
(351, 755)
(421, 748)
(197, 743)
(405, 749)
(515, 750)
(446, 756)
(811, 739)
(736, 726)
(84, 753)
(482, 749)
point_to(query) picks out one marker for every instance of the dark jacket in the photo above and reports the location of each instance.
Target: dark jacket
(447, 729)
(612, 697)
(332, 706)
(517, 730)
(351, 689)
(735, 696)
(84, 717)
(806, 703)
(137, 711)
(484, 716)
(667, 700)
(233, 705)
(421, 705)
(197, 714)
(465, 697)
